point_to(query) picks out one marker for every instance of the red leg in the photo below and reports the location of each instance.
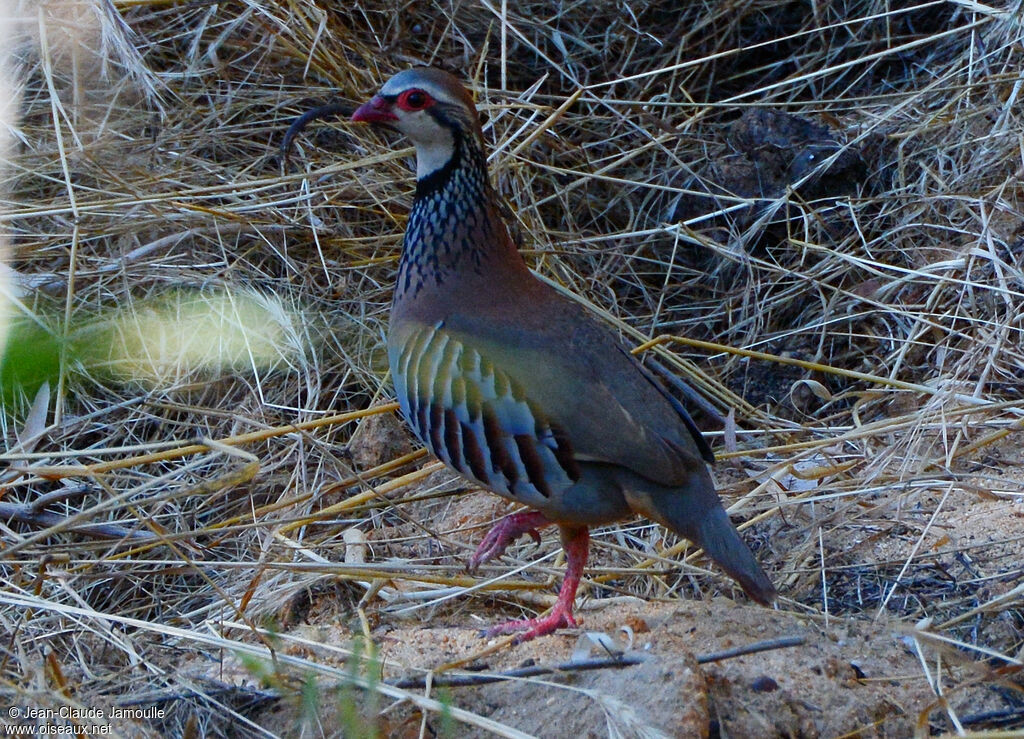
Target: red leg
(576, 543)
(506, 531)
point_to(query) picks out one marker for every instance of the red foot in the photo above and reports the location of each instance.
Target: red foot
(532, 627)
(576, 543)
(506, 531)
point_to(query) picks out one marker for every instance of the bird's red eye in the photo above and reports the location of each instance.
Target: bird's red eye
(412, 100)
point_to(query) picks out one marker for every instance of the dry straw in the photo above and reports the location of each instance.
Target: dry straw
(863, 343)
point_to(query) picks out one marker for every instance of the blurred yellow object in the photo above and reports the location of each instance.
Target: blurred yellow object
(189, 333)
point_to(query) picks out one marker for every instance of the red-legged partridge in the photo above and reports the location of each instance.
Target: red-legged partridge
(514, 386)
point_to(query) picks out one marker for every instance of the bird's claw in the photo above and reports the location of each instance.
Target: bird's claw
(503, 533)
(533, 627)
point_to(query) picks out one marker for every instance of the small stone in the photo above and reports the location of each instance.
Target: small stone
(764, 684)
(637, 624)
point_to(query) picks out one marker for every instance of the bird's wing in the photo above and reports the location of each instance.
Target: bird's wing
(608, 408)
(474, 416)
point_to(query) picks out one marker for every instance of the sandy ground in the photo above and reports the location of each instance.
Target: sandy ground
(848, 677)
(853, 675)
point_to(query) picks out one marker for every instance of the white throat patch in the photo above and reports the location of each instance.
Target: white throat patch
(433, 153)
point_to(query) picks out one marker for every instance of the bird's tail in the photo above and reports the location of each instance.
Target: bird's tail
(720, 540)
(695, 511)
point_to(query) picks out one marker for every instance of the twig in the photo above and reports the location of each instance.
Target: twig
(768, 645)
(28, 514)
(624, 660)
(462, 681)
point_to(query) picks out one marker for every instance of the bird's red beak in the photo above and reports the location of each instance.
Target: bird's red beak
(376, 110)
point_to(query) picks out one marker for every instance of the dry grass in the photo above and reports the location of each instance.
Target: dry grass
(876, 335)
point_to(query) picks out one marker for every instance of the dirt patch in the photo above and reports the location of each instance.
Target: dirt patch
(848, 676)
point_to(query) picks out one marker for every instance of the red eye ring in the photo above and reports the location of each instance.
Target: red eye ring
(413, 100)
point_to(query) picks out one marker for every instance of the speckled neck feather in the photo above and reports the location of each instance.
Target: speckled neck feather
(453, 223)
